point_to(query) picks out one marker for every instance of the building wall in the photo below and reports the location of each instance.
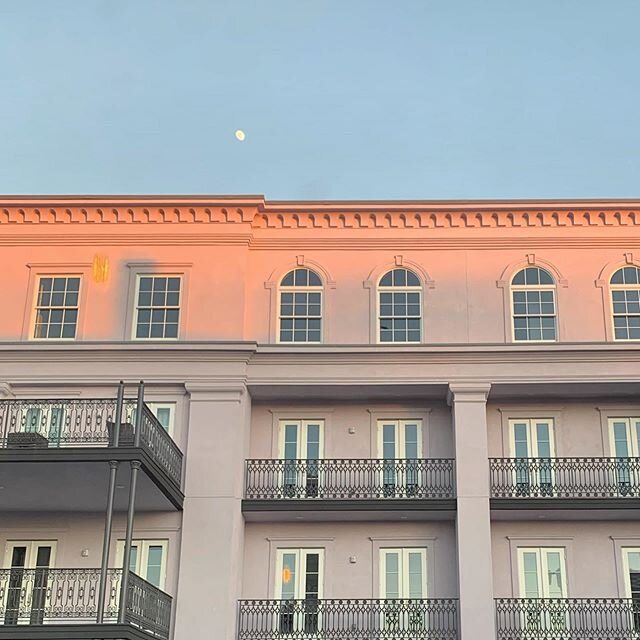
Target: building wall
(343, 418)
(351, 554)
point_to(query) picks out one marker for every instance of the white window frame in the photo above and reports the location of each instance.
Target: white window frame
(400, 289)
(171, 406)
(403, 553)
(532, 436)
(543, 569)
(142, 556)
(400, 425)
(34, 306)
(632, 435)
(626, 569)
(301, 555)
(293, 289)
(32, 552)
(302, 426)
(620, 287)
(134, 322)
(534, 287)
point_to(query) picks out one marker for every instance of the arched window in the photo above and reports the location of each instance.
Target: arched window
(625, 301)
(300, 313)
(533, 295)
(399, 307)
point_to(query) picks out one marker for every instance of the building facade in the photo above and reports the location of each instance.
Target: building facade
(359, 420)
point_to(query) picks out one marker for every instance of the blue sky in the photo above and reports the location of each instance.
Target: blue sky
(353, 99)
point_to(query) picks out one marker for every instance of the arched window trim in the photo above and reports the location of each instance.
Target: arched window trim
(504, 283)
(515, 288)
(399, 289)
(371, 283)
(294, 289)
(272, 284)
(603, 282)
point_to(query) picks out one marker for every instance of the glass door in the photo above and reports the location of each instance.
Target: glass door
(299, 589)
(301, 447)
(542, 574)
(533, 449)
(27, 581)
(403, 586)
(46, 421)
(631, 567)
(147, 560)
(625, 439)
(400, 446)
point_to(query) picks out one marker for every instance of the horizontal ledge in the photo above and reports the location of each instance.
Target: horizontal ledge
(513, 504)
(383, 504)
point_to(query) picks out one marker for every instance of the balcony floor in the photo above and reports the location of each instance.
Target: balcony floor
(291, 510)
(74, 632)
(565, 508)
(45, 480)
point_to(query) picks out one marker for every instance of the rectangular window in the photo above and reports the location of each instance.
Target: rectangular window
(532, 445)
(299, 582)
(301, 446)
(56, 310)
(157, 311)
(25, 599)
(147, 560)
(400, 447)
(624, 434)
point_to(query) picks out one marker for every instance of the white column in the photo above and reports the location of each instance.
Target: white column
(473, 521)
(212, 544)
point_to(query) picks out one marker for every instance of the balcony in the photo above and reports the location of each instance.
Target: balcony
(82, 432)
(355, 489)
(598, 486)
(433, 619)
(567, 619)
(61, 604)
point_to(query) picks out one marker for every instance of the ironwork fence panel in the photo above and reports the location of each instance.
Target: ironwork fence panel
(350, 479)
(565, 477)
(415, 619)
(148, 607)
(567, 619)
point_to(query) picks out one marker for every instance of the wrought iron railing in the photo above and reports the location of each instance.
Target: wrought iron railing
(432, 619)
(346, 479)
(567, 619)
(148, 607)
(42, 424)
(54, 596)
(565, 477)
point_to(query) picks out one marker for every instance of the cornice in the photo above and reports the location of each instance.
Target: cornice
(258, 213)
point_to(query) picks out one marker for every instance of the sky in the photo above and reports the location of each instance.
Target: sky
(339, 99)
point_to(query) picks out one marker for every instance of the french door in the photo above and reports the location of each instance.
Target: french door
(403, 584)
(299, 580)
(27, 581)
(400, 447)
(542, 574)
(45, 420)
(301, 447)
(625, 441)
(533, 439)
(147, 560)
(631, 568)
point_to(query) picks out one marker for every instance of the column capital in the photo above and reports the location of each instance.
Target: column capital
(468, 392)
(215, 391)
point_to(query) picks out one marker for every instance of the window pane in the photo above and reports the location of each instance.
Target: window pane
(154, 565)
(530, 572)
(416, 579)
(392, 575)
(288, 579)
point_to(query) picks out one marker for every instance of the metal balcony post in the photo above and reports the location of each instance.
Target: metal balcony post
(135, 467)
(108, 520)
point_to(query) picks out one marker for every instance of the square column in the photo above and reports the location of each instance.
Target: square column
(212, 547)
(473, 520)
